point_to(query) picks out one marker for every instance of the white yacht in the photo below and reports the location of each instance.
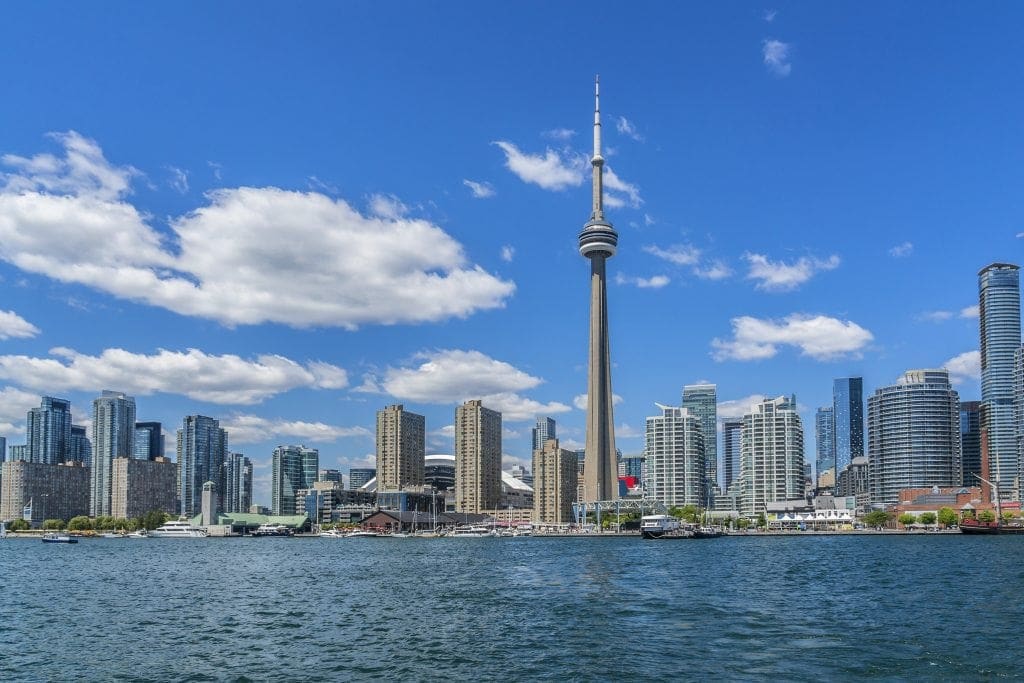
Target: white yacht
(180, 528)
(476, 531)
(656, 526)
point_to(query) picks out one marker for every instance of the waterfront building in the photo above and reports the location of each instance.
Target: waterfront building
(541, 433)
(555, 484)
(113, 436)
(202, 450)
(48, 430)
(139, 486)
(477, 457)
(771, 455)
(732, 434)
(674, 453)
(401, 447)
(999, 324)
(293, 468)
(522, 474)
(327, 502)
(58, 491)
(848, 417)
(598, 242)
(854, 481)
(81, 447)
(149, 441)
(358, 476)
(702, 402)
(913, 435)
(439, 472)
(515, 493)
(236, 488)
(633, 466)
(1018, 404)
(18, 452)
(329, 475)
(824, 437)
(970, 443)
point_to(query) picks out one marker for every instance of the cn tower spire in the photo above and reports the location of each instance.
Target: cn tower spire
(597, 161)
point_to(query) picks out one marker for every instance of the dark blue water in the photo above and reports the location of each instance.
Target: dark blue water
(779, 608)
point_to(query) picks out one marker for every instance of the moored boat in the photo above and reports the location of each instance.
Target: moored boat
(973, 526)
(180, 528)
(661, 526)
(58, 538)
(273, 530)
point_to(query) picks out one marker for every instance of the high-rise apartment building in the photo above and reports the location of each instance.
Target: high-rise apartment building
(202, 450)
(675, 460)
(732, 434)
(702, 402)
(555, 484)
(141, 486)
(848, 414)
(477, 457)
(913, 435)
(401, 447)
(113, 436)
(999, 323)
(357, 476)
(970, 443)
(329, 475)
(1018, 404)
(18, 452)
(544, 431)
(149, 441)
(771, 455)
(236, 484)
(293, 468)
(54, 491)
(81, 447)
(3, 449)
(825, 446)
(48, 430)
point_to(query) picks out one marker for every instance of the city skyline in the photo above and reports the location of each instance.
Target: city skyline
(311, 227)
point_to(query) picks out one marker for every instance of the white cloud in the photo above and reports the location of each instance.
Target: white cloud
(626, 127)
(448, 432)
(13, 326)
(819, 337)
(969, 311)
(614, 185)
(560, 134)
(225, 379)
(508, 253)
(679, 254)
(964, 367)
(624, 431)
(735, 408)
(935, 316)
(714, 270)
(778, 276)
(552, 171)
(244, 429)
(454, 376)
(1020, 235)
(776, 57)
(654, 282)
(216, 169)
(248, 256)
(480, 190)
(581, 401)
(769, 15)
(179, 179)
(901, 250)
(14, 406)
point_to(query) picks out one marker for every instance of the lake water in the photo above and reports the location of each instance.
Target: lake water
(927, 607)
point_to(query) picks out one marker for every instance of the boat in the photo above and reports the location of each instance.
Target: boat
(273, 530)
(58, 538)
(973, 526)
(332, 533)
(180, 528)
(661, 526)
(362, 534)
(114, 534)
(141, 533)
(707, 532)
(475, 531)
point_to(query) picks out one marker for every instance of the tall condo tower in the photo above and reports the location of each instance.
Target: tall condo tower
(597, 243)
(401, 448)
(477, 457)
(702, 401)
(113, 436)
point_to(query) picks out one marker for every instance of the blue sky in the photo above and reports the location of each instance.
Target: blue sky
(289, 215)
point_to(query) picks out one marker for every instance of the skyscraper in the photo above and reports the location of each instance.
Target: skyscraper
(732, 435)
(848, 413)
(544, 430)
(554, 483)
(674, 455)
(202, 450)
(81, 447)
(357, 476)
(477, 457)
(598, 241)
(825, 446)
(48, 430)
(702, 402)
(1018, 404)
(999, 322)
(913, 435)
(237, 484)
(149, 441)
(772, 455)
(3, 449)
(401, 447)
(113, 436)
(293, 468)
(970, 443)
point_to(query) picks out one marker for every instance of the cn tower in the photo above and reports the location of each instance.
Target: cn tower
(597, 243)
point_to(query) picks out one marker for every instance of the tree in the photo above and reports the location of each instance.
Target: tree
(53, 524)
(927, 518)
(906, 519)
(877, 518)
(742, 523)
(762, 521)
(986, 516)
(1008, 515)
(947, 517)
(153, 519)
(80, 523)
(19, 525)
